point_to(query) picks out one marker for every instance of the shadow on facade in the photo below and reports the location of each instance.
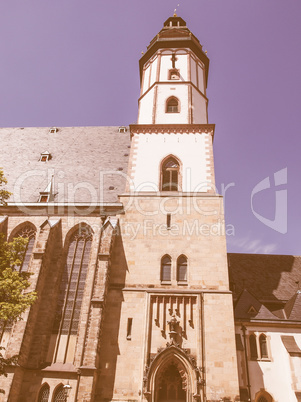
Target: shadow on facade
(110, 347)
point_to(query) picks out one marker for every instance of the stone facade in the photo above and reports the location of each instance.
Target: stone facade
(129, 257)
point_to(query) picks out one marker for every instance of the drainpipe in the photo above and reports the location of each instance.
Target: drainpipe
(203, 347)
(246, 359)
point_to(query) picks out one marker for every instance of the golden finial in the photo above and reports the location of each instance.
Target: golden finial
(175, 11)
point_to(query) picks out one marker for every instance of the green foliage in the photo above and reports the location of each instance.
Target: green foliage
(4, 194)
(14, 299)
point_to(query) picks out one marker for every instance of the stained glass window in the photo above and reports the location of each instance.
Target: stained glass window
(73, 283)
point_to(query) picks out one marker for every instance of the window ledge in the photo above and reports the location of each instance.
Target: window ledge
(165, 282)
(183, 283)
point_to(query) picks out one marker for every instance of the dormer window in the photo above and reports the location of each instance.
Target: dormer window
(45, 156)
(174, 74)
(172, 105)
(53, 130)
(44, 197)
(47, 195)
(122, 129)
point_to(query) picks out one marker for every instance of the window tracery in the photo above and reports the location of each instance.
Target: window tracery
(71, 294)
(44, 393)
(172, 105)
(27, 232)
(170, 175)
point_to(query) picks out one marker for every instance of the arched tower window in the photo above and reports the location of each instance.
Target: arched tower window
(170, 175)
(27, 232)
(182, 269)
(172, 105)
(253, 347)
(60, 395)
(166, 269)
(44, 393)
(263, 346)
(71, 293)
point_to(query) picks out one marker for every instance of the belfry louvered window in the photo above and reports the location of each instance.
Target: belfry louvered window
(166, 269)
(182, 269)
(27, 232)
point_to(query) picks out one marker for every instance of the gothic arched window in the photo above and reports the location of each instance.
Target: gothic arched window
(253, 347)
(27, 232)
(172, 105)
(71, 293)
(44, 393)
(166, 268)
(262, 399)
(170, 175)
(263, 346)
(182, 269)
(60, 395)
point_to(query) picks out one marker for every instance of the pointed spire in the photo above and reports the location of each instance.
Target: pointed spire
(175, 11)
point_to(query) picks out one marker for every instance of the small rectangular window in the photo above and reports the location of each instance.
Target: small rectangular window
(129, 329)
(168, 221)
(44, 198)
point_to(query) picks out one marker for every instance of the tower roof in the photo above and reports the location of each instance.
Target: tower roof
(175, 34)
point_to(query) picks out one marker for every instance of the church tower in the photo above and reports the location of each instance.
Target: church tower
(168, 332)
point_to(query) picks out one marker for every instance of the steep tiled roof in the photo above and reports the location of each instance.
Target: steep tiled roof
(293, 307)
(248, 307)
(88, 163)
(267, 277)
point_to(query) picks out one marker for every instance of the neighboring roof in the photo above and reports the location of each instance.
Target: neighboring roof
(89, 164)
(293, 307)
(291, 346)
(267, 277)
(248, 307)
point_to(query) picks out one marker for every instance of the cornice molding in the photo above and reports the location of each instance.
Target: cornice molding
(172, 129)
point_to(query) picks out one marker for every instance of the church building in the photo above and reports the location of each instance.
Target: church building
(138, 300)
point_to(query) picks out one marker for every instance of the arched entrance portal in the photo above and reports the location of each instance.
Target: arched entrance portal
(172, 376)
(170, 386)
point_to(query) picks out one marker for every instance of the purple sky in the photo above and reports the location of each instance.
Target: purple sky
(75, 63)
